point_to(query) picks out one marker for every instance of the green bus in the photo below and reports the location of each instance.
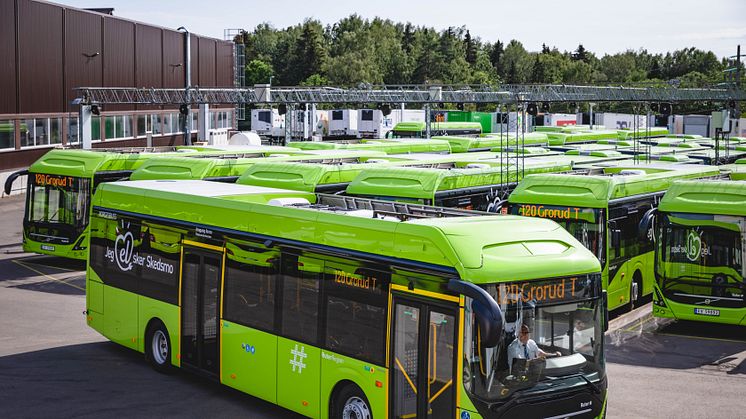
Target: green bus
(483, 185)
(699, 260)
(60, 185)
(461, 144)
(340, 307)
(384, 145)
(333, 177)
(603, 210)
(419, 129)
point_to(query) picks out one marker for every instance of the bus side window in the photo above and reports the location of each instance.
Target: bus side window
(300, 298)
(356, 299)
(251, 273)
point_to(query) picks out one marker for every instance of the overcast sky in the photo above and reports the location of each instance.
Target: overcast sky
(601, 26)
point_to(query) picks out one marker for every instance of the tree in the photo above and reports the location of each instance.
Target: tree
(471, 49)
(580, 54)
(544, 49)
(258, 72)
(496, 56)
(518, 61)
(315, 80)
(310, 53)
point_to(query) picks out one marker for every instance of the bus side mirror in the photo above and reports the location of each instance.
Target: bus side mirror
(605, 302)
(488, 315)
(646, 223)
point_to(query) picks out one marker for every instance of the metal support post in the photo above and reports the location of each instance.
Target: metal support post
(84, 127)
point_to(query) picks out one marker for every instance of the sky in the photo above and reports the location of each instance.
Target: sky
(602, 26)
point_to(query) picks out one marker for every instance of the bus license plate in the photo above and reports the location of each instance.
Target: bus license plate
(47, 247)
(707, 311)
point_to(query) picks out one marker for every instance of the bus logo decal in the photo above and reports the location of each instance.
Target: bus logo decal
(123, 246)
(298, 357)
(693, 246)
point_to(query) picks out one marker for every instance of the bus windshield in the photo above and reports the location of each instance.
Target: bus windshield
(563, 347)
(587, 225)
(56, 207)
(700, 257)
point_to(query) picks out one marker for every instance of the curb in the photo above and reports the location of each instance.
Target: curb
(633, 316)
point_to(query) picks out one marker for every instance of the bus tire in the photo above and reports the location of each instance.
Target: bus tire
(158, 347)
(350, 403)
(635, 292)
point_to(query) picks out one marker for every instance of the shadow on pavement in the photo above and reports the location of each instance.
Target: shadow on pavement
(663, 343)
(105, 380)
(44, 274)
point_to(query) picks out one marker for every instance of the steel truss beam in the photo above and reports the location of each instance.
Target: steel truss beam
(421, 94)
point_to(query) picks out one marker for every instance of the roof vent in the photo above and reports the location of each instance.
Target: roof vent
(631, 172)
(288, 202)
(376, 161)
(477, 166)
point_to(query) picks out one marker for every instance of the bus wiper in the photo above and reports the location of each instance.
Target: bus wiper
(590, 383)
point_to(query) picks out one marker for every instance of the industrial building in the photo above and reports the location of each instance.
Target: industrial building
(49, 49)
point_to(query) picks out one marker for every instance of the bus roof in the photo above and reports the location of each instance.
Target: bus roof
(559, 138)
(706, 197)
(595, 190)
(482, 249)
(434, 126)
(464, 144)
(84, 163)
(191, 168)
(389, 147)
(642, 132)
(424, 183)
(301, 176)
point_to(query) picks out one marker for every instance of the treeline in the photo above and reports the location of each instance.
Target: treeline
(356, 50)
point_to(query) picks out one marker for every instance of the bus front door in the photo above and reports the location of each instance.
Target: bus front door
(422, 362)
(200, 309)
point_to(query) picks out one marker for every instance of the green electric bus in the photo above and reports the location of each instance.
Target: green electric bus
(488, 141)
(479, 185)
(385, 145)
(604, 209)
(340, 307)
(61, 182)
(699, 265)
(418, 129)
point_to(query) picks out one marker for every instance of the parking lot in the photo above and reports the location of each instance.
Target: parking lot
(53, 365)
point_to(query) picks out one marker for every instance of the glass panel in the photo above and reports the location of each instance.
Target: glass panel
(7, 134)
(367, 115)
(126, 126)
(55, 130)
(41, 131)
(189, 304)
(441, 335)
(701, 259)
(157, 121)
(110, 127)
(175, 122)
(72, 130)
(544, 320)
(406, 355)
(95, 128)
(27, 132)
(210, 294)
(250, 275)
(300, 305)
(142, 125)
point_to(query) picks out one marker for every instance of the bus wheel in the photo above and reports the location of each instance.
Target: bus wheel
(158, 347)
(350, 403)
(635, 292)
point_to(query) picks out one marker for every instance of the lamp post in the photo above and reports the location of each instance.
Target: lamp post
(188, 85)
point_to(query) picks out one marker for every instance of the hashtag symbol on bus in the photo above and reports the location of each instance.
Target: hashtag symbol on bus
(298, 357)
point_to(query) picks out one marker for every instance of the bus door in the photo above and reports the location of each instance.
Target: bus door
(200, 309)
(423, 358)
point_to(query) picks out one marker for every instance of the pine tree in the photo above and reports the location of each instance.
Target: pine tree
(580, 54)
(496, 57)
(544, 49)
(471, 49)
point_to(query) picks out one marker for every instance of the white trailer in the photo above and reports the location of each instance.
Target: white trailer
(560, 119)
(372, 123)
(343, 123)
(266, 122)
(612, 120)
(511, 122)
